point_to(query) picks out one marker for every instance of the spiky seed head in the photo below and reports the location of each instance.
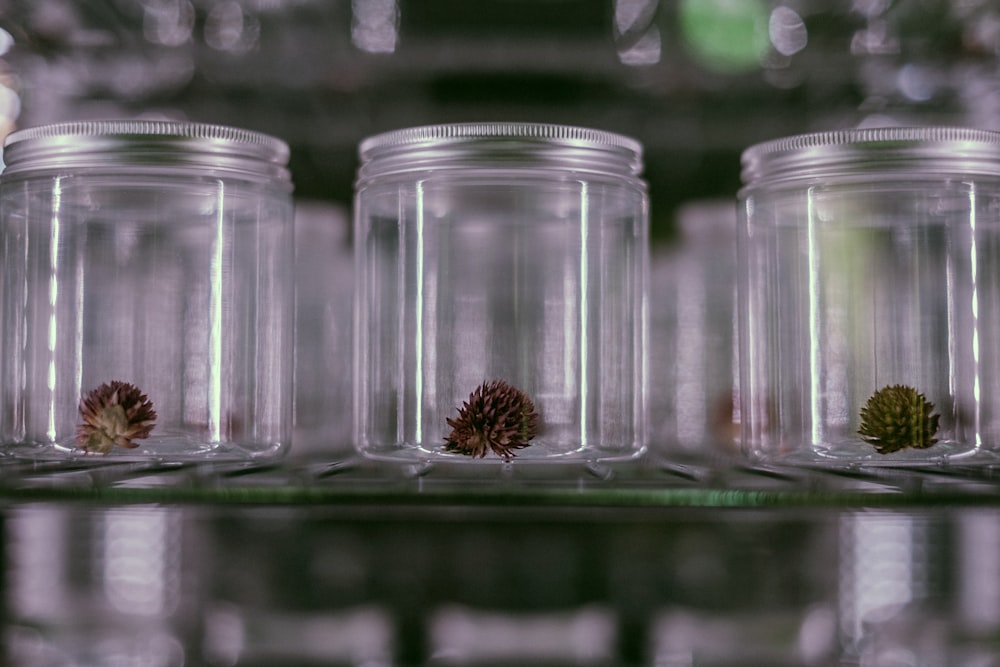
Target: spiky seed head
(897, 417)
(498, 417)
(116, 413)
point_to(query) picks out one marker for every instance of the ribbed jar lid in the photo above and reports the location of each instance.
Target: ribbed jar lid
(107, 144)
(920, 151)
(500, 144)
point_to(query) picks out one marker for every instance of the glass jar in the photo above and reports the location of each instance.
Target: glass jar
(501, 277)
(147, 292)
(870, 295)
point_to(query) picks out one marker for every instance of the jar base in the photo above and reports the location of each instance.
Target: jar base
(537, 453)
(162, 449)
(846, 454)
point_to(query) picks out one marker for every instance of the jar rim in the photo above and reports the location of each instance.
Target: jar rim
(532, 142)
(538, 132)
(864, 150)
(161, 142)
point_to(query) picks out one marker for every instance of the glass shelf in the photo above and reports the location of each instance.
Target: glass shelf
(716, 559)
(643, 485)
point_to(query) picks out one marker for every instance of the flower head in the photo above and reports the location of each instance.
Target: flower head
(497, 417)
(897, 417)
(116, 413)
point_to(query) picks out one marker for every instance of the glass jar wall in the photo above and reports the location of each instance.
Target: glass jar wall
(147, 292)
(501, 281)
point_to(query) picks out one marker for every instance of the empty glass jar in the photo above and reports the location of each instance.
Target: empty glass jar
(147, 292)
(501, 273)
(870, 296)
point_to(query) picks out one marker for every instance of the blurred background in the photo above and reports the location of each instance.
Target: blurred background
(361, 578)
(696, 81)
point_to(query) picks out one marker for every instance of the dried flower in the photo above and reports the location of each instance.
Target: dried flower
(496, 417)
(116, 413)
(897, 417)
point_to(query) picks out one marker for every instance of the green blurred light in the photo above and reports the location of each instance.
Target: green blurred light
(725, 35)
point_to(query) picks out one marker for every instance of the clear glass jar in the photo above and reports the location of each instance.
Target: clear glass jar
(870, 296)
(501, 277)
(147, 292)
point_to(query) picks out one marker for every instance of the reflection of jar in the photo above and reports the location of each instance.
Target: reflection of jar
(870, 288)
(157, 255)
(103, 586)
(500, 252)
(323, 329)
(692, 317)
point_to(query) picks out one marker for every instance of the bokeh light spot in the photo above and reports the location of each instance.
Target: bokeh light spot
(725, 35)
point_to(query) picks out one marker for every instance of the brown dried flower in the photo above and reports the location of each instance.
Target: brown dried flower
(496, 417)
(116, 413)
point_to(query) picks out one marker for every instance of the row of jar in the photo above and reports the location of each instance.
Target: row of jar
(156, 305)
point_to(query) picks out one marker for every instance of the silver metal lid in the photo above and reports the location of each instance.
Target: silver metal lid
(146, 143)
(498, 144)
(870, 151)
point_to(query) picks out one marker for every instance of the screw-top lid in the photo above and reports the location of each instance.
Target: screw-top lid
(146, 143)
(498, 144)
(870, 151)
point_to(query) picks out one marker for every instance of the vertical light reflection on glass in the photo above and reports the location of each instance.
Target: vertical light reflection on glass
(953, 329)
(78, 329)
(54, 241)
(419, 319)
(816, 420)
(584, 295)
(746, 382)
(402, 337)
(215, 308)
(974, 268)
(643, 336)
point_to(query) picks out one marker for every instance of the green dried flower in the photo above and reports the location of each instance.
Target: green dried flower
(897, 417)
(497, 417)
(116, 413)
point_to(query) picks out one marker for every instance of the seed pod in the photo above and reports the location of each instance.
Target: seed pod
(897, 417)
(497, 417)
(116, 413)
